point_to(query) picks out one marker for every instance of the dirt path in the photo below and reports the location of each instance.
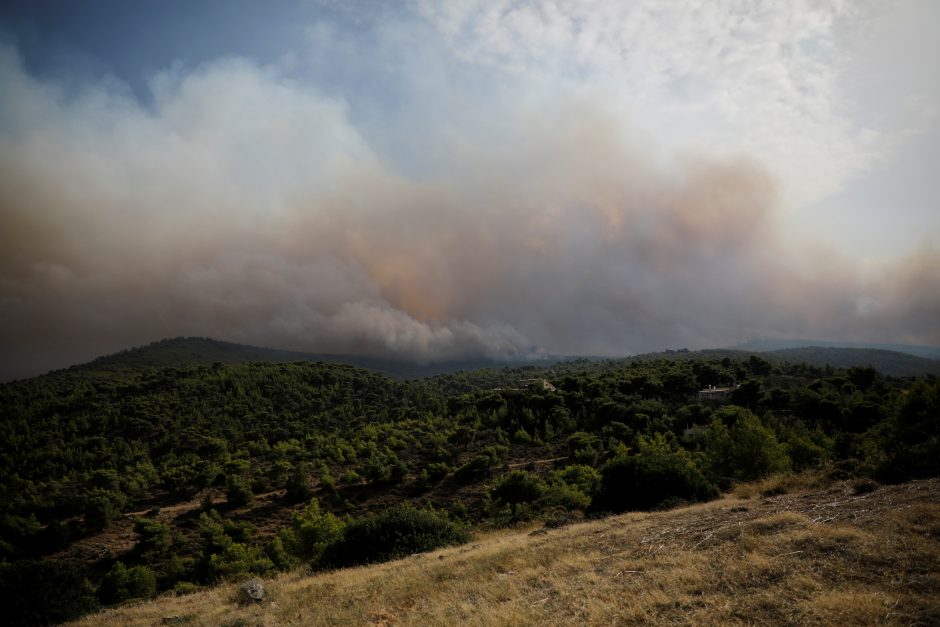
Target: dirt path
(120, 536)
(536, 462)
(188, 506)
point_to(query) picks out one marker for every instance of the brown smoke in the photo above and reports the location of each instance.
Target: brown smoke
(245, 208)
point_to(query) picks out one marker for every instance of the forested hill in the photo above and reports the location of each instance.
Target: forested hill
(200, 351)
(885, 361)
(766, 346)
(119, 483)
(197, 351)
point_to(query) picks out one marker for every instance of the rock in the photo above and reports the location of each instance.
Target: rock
(252, 591)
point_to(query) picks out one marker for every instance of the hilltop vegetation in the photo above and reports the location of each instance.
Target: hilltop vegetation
(893, 363)
(127, 482)
(201, 351)
(766, 345)
(887, 362)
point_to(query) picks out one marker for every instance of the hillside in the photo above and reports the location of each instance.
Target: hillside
(893, 363)
(123, 483)
(888, 362)
(184, 352)
(200, 351)
(765, 345)
(818, 556)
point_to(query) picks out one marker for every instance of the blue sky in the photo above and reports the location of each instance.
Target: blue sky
(431, 180)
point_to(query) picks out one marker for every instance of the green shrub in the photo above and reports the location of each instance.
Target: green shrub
(350, 477)
(565, 497)
(102, 507)
(656, 475)
(153, 538)
(393, 533)
(807, 450)
(186, 587)
(213, 532)
(278, 554)
(298, 487)
(122, 583)
(177, 569)
(746, 450)
(913, 436)
(311, 532)
(583, 447)
(474, 470)
(437, 471)
(515, 488)
(238, 491)
(238, 560)
(585, 478)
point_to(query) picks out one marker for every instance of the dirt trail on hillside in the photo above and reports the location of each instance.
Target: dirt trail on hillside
(120, 536)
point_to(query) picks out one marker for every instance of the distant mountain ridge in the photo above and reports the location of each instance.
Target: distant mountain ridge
(206, 351)
(894, 363)
(183, 351)
(766, 345)
(887, 362)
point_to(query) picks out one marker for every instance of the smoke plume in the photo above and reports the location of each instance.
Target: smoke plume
(244, 206)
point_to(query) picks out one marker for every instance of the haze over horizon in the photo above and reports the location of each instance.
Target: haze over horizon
(441, 180)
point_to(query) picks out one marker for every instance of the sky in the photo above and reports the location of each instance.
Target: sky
(444, 180)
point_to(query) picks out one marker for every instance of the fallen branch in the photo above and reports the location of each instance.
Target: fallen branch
(783, 554)
(621, 572)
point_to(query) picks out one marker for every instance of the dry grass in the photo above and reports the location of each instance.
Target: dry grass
(784, 483)
(810, 557)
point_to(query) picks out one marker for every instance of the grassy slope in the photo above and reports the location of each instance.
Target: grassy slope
(817, 556)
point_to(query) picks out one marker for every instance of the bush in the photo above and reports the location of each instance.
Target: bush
(657, 474)
(805, 451)
(298, 488)
(565, 497)
(746, 450)
(122, 583)
(238, 490)
(154, 538)
(393, 533)
(102, 507)
(474, 470)
(238, 560)
(583, 447)
(515, 488)
(437, 471)
(43, 593)
(311, 532)
(913, 439)
(186, 587)
(585, 478)
(177, 569)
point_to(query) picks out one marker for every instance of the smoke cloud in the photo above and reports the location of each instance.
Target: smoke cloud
(242, 205)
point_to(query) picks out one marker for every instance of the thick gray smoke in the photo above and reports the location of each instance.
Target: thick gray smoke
(243, 206)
